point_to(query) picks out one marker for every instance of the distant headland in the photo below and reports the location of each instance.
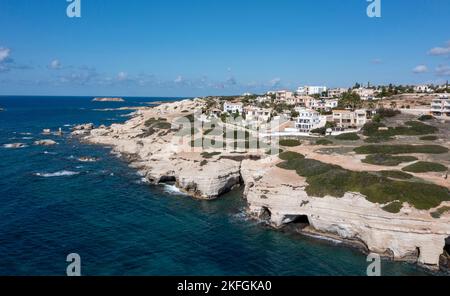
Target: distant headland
(108, 100)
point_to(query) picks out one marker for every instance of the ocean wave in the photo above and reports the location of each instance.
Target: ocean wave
(50, 153)
(173, 190)
(57, 174)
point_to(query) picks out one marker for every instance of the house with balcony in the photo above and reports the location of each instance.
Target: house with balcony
(323, 105)
(440, 107)
(257, 114)
(311, 90)
(231, 107)
(309, 120)
(283, 95)
(337, 92)
(350, 118)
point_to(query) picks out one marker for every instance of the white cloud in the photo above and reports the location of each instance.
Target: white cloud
(377, 61)
(179, 79)
(4, 53)
(439, 51)
(443, 70)
(122, 76)
(275, 82)
(55, 64)
(420, 69)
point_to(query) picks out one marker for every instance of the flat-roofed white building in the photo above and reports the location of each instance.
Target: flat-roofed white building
(337, 92)
(440, 107)
(422, 89)
(311, 90)
(257, 114)
(324, 104)
(309, 120)
(350, 118)
(366, 94)
(233, 107)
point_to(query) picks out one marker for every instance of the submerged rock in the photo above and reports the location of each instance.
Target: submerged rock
(45, 143)
(15, 146)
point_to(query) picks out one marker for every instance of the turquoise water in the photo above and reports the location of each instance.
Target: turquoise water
(52, 205)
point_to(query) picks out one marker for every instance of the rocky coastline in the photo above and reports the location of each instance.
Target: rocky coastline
(156, 151)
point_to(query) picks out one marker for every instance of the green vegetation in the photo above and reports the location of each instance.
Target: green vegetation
(393, 207)
(350, 99)
(290, 143)
(326, 179)
(429, 138)
(276, 152)
(210, 155)
(387, 160)
(425, 117)
(424, 167)
(324, 142)
(378, 132)
(348, 137)
(439, 212)
(153, 121)
(401, 149)
(289, 155)
(396, 175)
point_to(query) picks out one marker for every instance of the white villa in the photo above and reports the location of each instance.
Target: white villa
(324, 104)
(257, 114)
(440, 107)
(311, 90)
(366, 94)
(350, 118)
(336, 92)
(233, 107)
(422, 89)
(309, 120)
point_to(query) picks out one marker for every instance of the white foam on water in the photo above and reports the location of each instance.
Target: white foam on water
(50, 153)
(174, 190)
(57, 174)
(27, 138)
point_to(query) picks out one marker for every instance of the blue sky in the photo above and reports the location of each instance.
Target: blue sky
(214, 47)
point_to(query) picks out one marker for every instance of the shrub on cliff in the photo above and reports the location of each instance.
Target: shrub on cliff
(424, 167)
(401, 149)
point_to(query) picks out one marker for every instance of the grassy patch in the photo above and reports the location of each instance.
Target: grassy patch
(396, 175)
(439, 212)
(324, 142)
(289, 155)
(387, 160)
(378, 132)
(290, 143)
(348, 137)
(393, 207)
(424, 167)
(429, 138)
(425, 117)
(274, 151)
(325, 179)
(401, 149)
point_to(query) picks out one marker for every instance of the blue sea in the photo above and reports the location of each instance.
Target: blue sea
(51, 205)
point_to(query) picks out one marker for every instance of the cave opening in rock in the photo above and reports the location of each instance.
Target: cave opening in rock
(297, 222)
(447, 247)
(444, 261)
(266, 214)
